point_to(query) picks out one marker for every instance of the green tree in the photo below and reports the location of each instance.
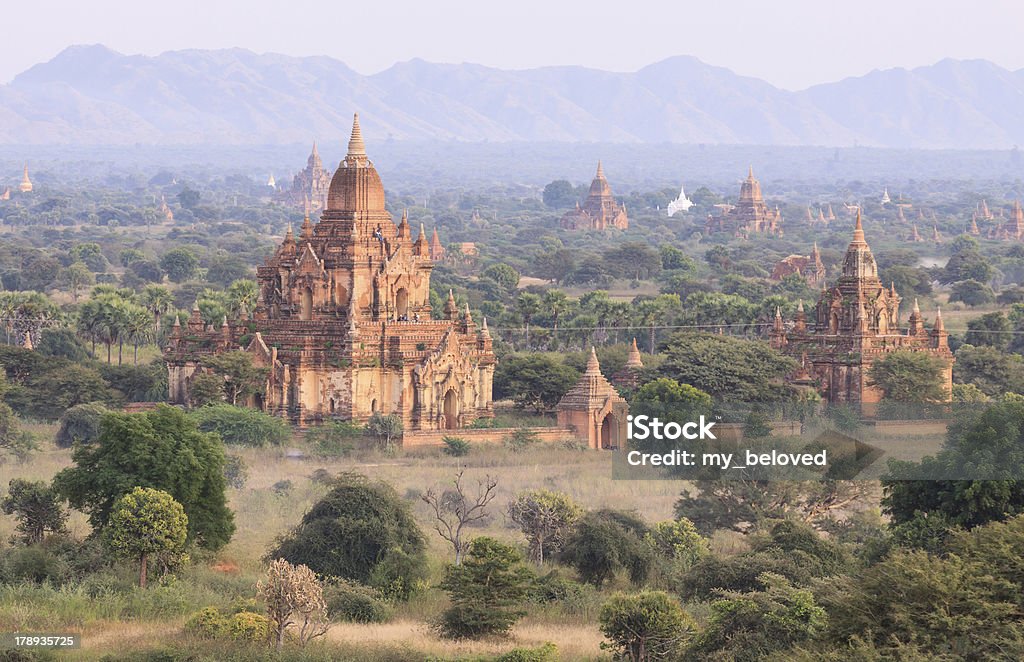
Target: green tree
(634, 260)
(487, 591)
(76, 276)
(80, 424)
(386, 430)
(206, 388)
(241, 378)
(505, 276)
(678, 542)
(992, 371)
(188, 198)
(972, 293)
(528, 306)
(145, 522)
(727, 368)
(605, 542)
(559, 194)
(751, 626)
(535, 381)
(242, 426)
(644, 626)
(37, 507)
(180, 264)
(910, 377)
(91, 255)
(162, 449)
(668, 400)
(991, 330)
(242, 295)
(158, 300)
(673, 259)
(545, 518)
(363, 531)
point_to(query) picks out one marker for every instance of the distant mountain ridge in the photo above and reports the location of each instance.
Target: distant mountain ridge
(93, 95)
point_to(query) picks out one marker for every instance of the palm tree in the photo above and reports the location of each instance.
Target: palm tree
(136, 328)
(89, 321)
(243, 292)
(528, 305)
(8, 305)
(555, 303)
(158, 300)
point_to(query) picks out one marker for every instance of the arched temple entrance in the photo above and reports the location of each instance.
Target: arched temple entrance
(307, 304)
(451, 410)
(402, 303)
(609, 430)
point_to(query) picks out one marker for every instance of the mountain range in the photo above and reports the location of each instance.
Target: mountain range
(91, 95)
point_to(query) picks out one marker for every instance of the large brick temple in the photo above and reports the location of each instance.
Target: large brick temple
(599, 210)
(856, 322)
(749, 215)
(343, 322)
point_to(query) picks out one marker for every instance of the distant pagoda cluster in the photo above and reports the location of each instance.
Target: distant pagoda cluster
(856, 322)
(821, 218)
(599, 211)
(750, 214)
(311, 185)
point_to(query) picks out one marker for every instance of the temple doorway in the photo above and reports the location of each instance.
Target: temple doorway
(451, 410)
(307, 304)
(402, 303)
(607, 440)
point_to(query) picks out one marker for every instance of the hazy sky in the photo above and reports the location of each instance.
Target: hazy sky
(791, 43)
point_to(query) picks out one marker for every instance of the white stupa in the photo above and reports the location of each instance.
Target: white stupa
(682, 203)
(271, 182)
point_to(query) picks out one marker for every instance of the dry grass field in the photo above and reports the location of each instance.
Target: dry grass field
(278, 491)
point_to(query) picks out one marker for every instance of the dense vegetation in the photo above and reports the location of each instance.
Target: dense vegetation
(94, 277)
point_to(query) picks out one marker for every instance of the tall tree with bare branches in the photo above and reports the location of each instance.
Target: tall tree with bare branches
(454, 511)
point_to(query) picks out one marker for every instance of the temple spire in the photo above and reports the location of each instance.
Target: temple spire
(634, 360)
(356, 147)
(593, 367)
(858, 230)
(600, 170)
(939, 324)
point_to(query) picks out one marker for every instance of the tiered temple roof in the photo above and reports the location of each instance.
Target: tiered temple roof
(750, 213)
(599, 210)
(343, 322)
(855, 322)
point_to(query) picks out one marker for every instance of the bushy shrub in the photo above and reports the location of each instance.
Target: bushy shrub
(321, 477)
(571, 596)
(546, 652)
(336, 439)
(247, 626)
(520, 440)
(242, 426)
(650, 625)
(455, 446)
(235, 472)
(363, 531)
(80, 424)
(35, 564)
(355, 602)
(207, 623)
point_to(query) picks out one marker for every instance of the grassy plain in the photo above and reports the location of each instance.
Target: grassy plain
(113, 616)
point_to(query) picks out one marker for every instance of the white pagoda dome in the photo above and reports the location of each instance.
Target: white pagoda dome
(682, 203)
